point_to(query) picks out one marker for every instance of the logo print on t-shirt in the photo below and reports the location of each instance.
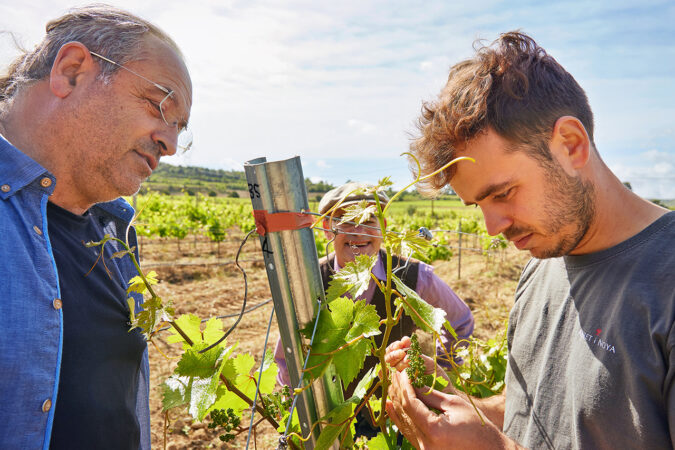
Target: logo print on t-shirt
(597, 340)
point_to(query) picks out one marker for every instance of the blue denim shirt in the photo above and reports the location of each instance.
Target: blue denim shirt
(31, 319)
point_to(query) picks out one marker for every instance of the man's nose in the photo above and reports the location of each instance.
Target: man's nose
(496, 221)
(166, 139)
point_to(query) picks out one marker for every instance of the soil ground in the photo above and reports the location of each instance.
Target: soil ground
(201, 279)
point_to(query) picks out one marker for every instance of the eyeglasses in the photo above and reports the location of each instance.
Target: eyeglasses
(184, 134)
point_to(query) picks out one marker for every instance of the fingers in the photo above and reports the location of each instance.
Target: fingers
(434, 399)
(418, 413)
(404, 426)
(396, 355)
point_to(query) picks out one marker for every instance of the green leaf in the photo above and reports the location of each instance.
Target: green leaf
(105, 239)
(227, 399)
(379, 442)
(195, 364)
(202, 397)
(384, 183)
(364, 384)
(213, 330)
(175, 391)
(330, 432)
(359, 212)
(154, 312)
(425, 316)
(122, 253)
(132, 307)
(137, 284)
(342, 323)
(190, 324)
(353, 278)
(450, 329)
(407, 243)
(349, 362)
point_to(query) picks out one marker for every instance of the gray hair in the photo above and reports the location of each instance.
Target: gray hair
(109, 31)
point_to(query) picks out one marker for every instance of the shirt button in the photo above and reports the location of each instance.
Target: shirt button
(5, 188)
(57, 303)
(46, 182)
(37, 230)
(47, 405)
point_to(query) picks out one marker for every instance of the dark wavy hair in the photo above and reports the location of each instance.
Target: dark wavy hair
(512, 87)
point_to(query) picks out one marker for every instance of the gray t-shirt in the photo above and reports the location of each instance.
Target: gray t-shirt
(592, 348)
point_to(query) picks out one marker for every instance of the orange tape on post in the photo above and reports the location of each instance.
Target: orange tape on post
(270, 222)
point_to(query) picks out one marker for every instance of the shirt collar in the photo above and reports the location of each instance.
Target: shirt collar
(17, 170)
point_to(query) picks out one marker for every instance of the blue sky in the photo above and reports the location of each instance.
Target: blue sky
(341, 83)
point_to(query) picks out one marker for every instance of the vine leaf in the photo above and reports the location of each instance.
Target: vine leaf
(344, 322)
(425, 316)
(154, 312)
(380, 442)
(196, 380)
(353, 278)
(407, 243)
(384, 183)
(136, 284)
(362, 387)
(191, 326)
(343, 411)
(201, 365)
(227, 399)
(330, 432)
(359, 212)
(247, 381)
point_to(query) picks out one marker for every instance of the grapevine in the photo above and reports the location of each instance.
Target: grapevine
(228, 420)
(212, 381)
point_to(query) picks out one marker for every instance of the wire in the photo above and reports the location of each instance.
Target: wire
(243, 306)
(257, 387)
(228, 316)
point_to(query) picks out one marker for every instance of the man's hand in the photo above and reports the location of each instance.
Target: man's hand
(458, 425)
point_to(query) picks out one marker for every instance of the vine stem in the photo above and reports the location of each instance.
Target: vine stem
(257, 387)
(190, 342)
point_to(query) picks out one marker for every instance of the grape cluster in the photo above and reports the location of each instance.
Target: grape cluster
(278, 402)
(228, 420)
(415, 369)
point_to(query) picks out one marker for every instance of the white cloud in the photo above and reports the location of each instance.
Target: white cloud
(346, 79)
(362, 126)
(323, 164)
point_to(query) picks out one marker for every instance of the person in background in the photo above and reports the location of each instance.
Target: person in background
(84, 119)
(350, 241)
(591, 336)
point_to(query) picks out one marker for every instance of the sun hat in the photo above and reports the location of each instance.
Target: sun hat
(352, 193)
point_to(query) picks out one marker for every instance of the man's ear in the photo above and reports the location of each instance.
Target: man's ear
(326, 226)
(72, 63)
(570, 143)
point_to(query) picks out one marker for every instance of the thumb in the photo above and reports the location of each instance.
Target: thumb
(434, 399)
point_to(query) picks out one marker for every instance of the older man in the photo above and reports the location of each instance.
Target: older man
(592, 332)
(84, 118)
(349, 241)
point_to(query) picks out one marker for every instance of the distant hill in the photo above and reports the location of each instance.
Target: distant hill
(213, 182)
